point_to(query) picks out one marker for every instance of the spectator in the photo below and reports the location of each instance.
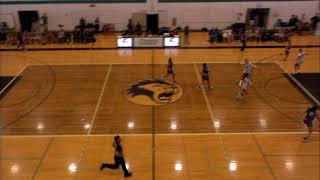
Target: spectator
(61, 35)
(278, 23)
(20, 40)
(43, 34)
(97, 25)
(314, 21)
(82, 24)
(44, 21)
(186, 35)
(293, 22)
(211, 36)
(243, 41)
(138, 29)
(257, 34)
(130, 27)
(227, 35)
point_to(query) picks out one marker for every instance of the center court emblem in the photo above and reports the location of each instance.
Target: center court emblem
(153, 92)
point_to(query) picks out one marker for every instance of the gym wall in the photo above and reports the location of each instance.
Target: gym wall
(219, 13)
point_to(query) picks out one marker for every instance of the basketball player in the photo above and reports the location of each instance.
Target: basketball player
(311, 114)
(244, 86)
(170, 70)
(287, 50)
(205, 76)
(299, 60)
(118, 158)
(248, 68)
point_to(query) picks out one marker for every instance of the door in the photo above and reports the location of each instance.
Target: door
(153, 23)
(257, 16)
(26, 19)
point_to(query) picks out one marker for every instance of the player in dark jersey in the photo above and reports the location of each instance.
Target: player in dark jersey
(118, 158)
(311, 114)
(205, 76)
(287, 52)
(170, 70)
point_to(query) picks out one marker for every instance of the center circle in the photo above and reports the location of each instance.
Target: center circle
(153, 92)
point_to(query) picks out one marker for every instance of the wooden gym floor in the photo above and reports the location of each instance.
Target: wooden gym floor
(58, 120)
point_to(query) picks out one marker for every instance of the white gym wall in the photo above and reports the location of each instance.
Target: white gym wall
(196, 15)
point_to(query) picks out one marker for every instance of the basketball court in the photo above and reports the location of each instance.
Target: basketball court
(59, 119)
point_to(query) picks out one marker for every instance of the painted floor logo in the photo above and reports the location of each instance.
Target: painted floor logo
(153, 92)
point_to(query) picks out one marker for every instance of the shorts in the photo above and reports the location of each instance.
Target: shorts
(205, 78)
(169, 71)
(298, 63)
(307, 122)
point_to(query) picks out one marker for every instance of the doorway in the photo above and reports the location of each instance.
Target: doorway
(26, 19)
(257, 17)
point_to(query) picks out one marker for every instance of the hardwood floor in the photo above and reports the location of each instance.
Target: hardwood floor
(58, 120)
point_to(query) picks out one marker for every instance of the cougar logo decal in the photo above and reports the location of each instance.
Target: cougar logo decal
(153, 92)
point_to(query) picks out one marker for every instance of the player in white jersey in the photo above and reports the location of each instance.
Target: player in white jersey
(244, 86)
(248, 69)
(299, 60)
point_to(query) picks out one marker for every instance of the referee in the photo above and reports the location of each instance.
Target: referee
(118, 158)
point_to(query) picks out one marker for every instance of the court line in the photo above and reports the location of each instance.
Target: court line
(297, 155)
(164, 134)
(42, 158)
(94, 117)
(15, 77)
(100, 99)
(209, 107)
(153, 128)
(299, 84)
(264, 157)
(204, 94)
(142, 63)
(172, 134)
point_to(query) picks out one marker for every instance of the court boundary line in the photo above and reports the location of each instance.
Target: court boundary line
(120, 63)
(297, 155)
(299, 84)
(165, 134)
(15, 77)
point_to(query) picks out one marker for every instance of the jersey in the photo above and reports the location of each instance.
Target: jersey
(300, 58)
(117, 148)
(310, 116)
(287, 50)
(205, 74)
(248, 67)
(170, 68)
(244, 83)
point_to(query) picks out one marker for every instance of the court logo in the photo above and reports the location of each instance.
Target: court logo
(153, 92)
